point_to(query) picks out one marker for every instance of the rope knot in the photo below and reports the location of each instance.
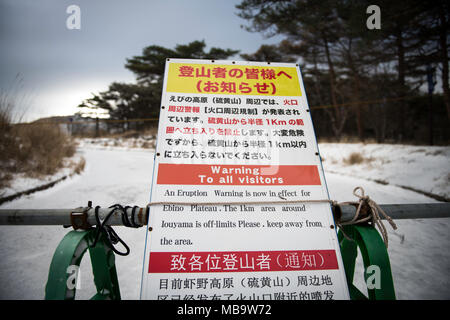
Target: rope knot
(370, 211)
(362, 196)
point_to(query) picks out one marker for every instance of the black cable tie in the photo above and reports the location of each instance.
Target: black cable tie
(125, 219)
(112, 237)
(133, 220)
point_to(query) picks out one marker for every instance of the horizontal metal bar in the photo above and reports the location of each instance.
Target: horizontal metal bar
(345, 213)
(342, 213)
(62, 216)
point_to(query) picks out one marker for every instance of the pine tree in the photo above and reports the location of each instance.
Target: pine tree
(312, 30)
(271, 53)
(344, 61)
(142, 99)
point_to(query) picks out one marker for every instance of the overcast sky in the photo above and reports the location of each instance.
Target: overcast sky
(51, 69)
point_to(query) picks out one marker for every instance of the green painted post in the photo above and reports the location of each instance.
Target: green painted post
(69, 252)
(74, 245)
(374, 253)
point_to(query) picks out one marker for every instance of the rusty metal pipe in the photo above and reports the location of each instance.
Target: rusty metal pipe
(345, 213)
(342, 213)
(63, 216)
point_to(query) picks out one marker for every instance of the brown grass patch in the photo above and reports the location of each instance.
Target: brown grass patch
(79, 167)
(354, 158)
(34, 149)
(41, 149)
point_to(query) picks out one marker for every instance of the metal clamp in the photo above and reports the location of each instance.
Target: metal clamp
(79, 218)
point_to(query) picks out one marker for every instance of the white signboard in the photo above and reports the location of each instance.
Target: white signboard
(235, 141)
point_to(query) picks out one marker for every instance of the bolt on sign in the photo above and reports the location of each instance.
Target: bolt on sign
(235, 170)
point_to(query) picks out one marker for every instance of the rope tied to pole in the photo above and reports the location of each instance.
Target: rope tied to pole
(369, 210)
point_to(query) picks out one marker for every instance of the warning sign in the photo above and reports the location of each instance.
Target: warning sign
(233, 79)
(241, 207)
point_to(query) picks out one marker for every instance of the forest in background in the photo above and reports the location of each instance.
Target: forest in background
(385, 85)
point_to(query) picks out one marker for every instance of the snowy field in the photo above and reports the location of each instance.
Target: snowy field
(21, 182)
(419, 249)
(425, 169)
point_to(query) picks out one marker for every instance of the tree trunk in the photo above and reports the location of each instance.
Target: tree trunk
(444, 57)
(358, 107)
(337, 124)
(356, 93)
(401, 82)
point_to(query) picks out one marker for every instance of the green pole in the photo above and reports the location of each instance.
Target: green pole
(70, 252)
(374, 254)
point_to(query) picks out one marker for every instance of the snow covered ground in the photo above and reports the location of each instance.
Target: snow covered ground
(419, 249)
(20, 182)
(425, 169)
